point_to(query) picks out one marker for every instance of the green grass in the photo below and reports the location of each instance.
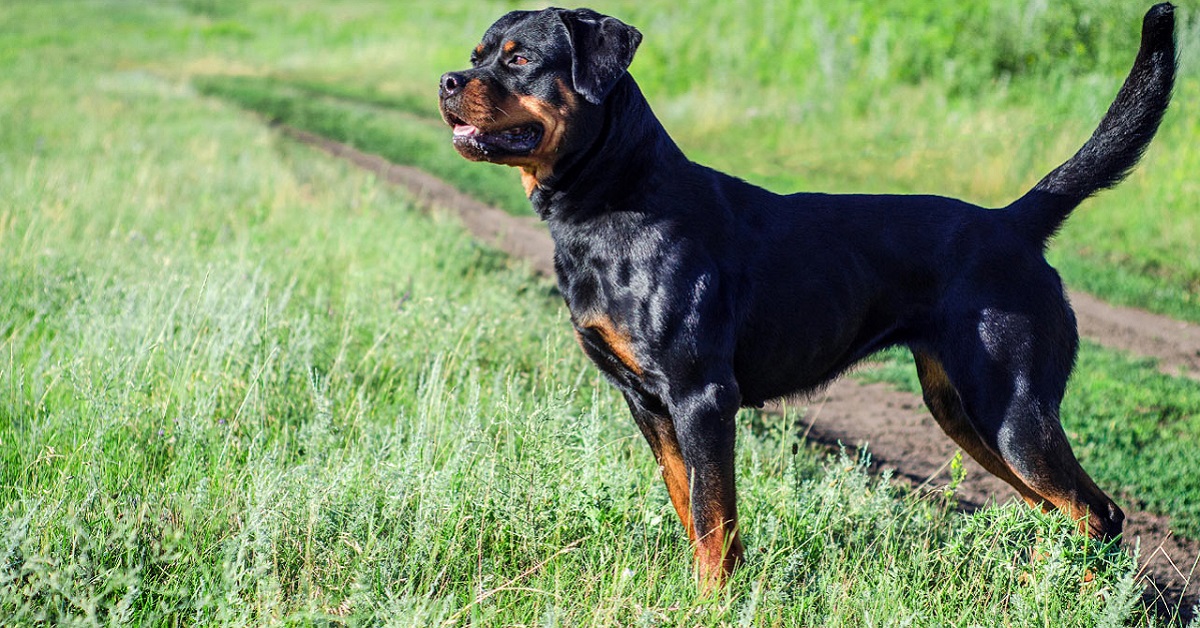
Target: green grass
(244, 384)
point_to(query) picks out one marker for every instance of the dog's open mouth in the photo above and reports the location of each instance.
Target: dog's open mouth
(516, 140)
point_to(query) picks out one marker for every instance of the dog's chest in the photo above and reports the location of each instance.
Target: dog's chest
(610, 283)
(605, 314)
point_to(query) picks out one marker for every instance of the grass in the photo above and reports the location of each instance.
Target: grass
(246, 385)
(243, 384)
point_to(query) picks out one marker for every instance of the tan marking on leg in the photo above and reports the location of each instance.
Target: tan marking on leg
(660, 435)
(719, 549)
(675, 475)
(1055, 497)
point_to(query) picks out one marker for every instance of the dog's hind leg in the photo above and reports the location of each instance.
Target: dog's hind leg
(945, 405)
(1011, 377)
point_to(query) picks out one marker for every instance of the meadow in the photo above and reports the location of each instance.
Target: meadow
(244, 384)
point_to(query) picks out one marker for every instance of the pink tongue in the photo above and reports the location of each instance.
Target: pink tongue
(465, 129)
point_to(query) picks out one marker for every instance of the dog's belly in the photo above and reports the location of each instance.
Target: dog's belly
(779, 365)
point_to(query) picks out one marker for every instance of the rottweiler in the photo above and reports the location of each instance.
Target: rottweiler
(697, 293)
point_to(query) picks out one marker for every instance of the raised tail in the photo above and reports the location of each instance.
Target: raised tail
(1118, 143)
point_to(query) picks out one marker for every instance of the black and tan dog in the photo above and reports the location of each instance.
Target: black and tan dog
(697, 293)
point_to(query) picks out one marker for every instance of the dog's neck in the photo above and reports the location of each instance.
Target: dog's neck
(615, 165)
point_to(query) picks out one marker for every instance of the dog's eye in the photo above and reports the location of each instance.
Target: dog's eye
(518, 60)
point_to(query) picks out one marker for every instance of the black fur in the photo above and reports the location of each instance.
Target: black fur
(697, 293)
(1123, 135)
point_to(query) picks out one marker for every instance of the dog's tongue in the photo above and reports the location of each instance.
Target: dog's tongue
(465, 129)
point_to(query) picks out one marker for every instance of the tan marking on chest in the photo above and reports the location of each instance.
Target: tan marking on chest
(618, 341)
(529, 180)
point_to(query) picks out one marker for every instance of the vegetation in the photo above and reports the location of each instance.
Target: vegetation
(243, 384)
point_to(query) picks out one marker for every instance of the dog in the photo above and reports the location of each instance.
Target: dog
(697, 293)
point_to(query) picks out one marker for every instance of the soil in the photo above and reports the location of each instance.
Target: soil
(901, 434)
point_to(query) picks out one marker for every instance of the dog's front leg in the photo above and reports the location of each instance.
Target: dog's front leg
(659, 431)
(704, 420)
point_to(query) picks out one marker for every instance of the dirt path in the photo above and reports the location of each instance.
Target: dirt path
(1175, 344)
(901, 435)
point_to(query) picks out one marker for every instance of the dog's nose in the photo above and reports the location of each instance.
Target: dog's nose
(451, 83)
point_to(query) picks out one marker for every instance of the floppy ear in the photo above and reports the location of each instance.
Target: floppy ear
(602, 49)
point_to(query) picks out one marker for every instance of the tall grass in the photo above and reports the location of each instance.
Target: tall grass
(965, 46)
(246, 386)
(242, 384)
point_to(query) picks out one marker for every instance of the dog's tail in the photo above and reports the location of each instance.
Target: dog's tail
(1118, 143)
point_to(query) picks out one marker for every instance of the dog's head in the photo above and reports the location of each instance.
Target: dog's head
(532, 78)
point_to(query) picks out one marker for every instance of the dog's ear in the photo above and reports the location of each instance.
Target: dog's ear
(602, 49)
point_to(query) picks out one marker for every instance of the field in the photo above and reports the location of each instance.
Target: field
(242, 383)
